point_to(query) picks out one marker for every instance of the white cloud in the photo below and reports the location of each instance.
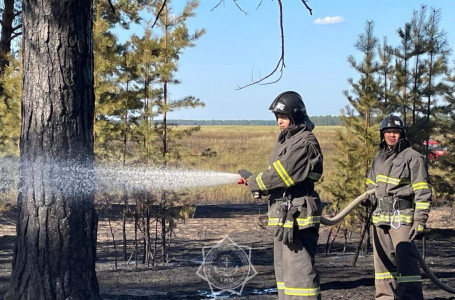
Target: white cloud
(329, 20)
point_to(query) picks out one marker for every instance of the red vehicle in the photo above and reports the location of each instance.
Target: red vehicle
(436, 150)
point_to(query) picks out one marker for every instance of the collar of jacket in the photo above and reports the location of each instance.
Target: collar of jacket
(400, 146)
(290, 131)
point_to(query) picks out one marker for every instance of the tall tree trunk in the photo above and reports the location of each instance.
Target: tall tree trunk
(55, 250)
(136, 225)
(7, 32)
(147, 230)
(125, 208)
(368, 215)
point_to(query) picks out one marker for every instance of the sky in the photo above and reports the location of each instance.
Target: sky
(238, 47)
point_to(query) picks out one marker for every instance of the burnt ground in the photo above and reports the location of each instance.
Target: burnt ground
(246, 226)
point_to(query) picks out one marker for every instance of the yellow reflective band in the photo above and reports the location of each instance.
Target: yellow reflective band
(387, 218)
(415, 278)
(381, 178)
(308, 221)
(420, 228)
(280, 285)
(369, 181)
(283, 174)
(391, 180)
(315, 176)
(288, 224)
(260, 183)
(302, 292)
(274, 222)
(420, 185)
(422, 205)
(384, 275)
(303, 221)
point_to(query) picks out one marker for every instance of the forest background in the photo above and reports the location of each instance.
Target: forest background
(414, 79)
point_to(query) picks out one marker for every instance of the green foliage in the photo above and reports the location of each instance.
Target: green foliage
(116, 92)
(10, 108)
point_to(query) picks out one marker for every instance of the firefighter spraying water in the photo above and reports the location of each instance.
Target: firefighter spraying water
(294, 205)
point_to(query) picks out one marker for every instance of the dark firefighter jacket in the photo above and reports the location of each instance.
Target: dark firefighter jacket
(294, 165)
(402, 191)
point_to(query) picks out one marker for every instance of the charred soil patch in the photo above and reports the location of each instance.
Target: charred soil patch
(246, 226)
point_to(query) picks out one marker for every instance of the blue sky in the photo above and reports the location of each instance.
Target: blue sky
(238, 46)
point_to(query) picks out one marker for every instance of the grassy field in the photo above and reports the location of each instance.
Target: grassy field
(244, 147)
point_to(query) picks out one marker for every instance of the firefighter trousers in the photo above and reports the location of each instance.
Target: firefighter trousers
(397, 273)
(295, 273)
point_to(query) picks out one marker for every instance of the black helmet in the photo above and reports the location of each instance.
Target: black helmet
(290, 104)
(390, 122)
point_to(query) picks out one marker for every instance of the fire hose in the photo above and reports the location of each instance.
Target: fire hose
(425, 268)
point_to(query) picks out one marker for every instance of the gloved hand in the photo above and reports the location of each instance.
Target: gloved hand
(279, 230)
(256, 195)
(244, 175)
(417, 231)
(369, 201)
(288, 235)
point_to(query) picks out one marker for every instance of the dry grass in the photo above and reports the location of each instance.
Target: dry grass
(442, 217)
(243, 147)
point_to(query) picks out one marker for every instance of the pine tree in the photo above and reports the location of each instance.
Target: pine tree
(144, 52)
(436, 62)
(359, 140)
(158, 63)
(10, 108)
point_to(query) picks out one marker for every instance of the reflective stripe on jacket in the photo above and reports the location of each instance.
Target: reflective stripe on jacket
(400, 176)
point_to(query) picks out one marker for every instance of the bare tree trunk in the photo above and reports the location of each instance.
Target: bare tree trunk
(125, 207)
(333, 239)
(147, 230)
(108, 209)
(163, 226)
(155, 247)
(345, 235)
(368, 215)
(144, 239)
(136, 246)
(327, 243)
(113, 241)
(163, 238)
(55, 249)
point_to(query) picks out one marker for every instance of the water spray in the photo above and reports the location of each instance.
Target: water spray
(74, 178)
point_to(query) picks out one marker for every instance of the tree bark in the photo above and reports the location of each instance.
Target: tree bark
(55, 250)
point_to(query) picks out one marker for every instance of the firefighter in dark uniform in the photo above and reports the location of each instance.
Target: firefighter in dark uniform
(295, 164)
(402, 202)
